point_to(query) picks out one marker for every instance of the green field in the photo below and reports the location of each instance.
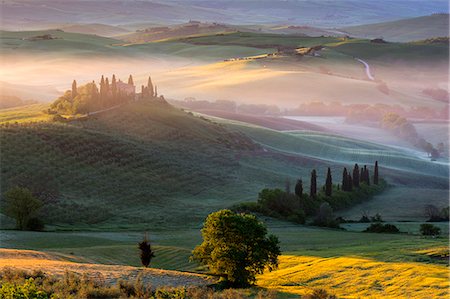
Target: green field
(362, 48)
(405, 30)
(86, 45)
(174, 246)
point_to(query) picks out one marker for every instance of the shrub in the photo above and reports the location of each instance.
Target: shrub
(35, 224)
(376, 218)
(58, 118)
(427, 229)
(28, 290)
(21, 205)
(325, 217)
(320, 294)
(382, 228)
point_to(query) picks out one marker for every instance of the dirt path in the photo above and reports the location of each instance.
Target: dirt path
(30, 260)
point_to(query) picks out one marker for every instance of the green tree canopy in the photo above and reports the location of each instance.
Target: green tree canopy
(21, 205)
(237, 247)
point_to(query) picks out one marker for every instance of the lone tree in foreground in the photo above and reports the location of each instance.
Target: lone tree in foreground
(21, 205)
(146, 252)
(237, 247)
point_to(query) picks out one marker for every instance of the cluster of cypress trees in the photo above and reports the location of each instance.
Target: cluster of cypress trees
(88, 98)
(149, 91)
(349, 181)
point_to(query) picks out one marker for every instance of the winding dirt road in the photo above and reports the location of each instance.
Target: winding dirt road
(367, 67)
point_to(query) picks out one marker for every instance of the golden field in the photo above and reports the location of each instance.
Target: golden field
(361, 277)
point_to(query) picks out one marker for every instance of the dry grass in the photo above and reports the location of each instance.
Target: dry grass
(30, 113)
(349, 277)
(30, 260)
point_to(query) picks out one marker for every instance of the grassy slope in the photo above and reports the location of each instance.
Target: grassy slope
(31, 113)
(404, 30)
(289, 76)
(86, 45)
(97, 29)
(127, 160)
(144, 164)
(341, 150)
(16, 42)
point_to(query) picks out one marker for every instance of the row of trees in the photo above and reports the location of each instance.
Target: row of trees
(349, 181)
(90, 97)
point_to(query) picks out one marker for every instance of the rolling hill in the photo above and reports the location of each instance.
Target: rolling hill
(194, 66)
(175, 31)
(145, 164)
(24, 14)
(96, 29)
(404, 30)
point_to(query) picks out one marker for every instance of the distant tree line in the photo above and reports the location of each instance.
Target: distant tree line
(319, 203)
(90, 97)
(402, 128)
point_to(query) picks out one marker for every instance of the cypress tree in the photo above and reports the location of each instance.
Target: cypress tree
(146, 252)
(74, 89)
(349, 183)
(142, 91)
(313, 185)
(107, 89)
(356, 176)
(299, 188)
(102, 89)
(344, 180)
(130, 80)
(364, 175)
(328, 183)
(156, 92)
(367, 177)
(94, 95)
(375, 173)
(114, 88)
(150, 87)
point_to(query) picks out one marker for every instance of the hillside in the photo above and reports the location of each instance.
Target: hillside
(96, 29)
(176, 31)
(197, 68)
(140, 151)
(26, 14)
(404, 30)
(149, 164)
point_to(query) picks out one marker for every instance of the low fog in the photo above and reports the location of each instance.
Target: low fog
(308, 89)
